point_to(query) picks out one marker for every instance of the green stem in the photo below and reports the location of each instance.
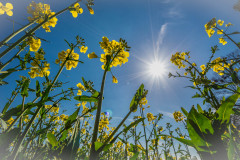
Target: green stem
(23, 135)
(15, 56)
(9, 128)
(93, 154)
(21, 119)
(229, 38)
(114, 132)
(145, 135)
(3, 42)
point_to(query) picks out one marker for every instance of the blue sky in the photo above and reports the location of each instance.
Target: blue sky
(153, 28)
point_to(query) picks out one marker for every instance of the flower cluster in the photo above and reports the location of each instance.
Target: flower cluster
(115, 50)
(212, 24)
(40, 12)
(219, 66)
(70, 57)
(178, 116)
(76, 9)
(34, 44)
(150, 117)
(39, 69)
(178, 59)
(81, 88)
(54, 109)
(142, 102)
(7, 8)
(104, 122)
(203, 68)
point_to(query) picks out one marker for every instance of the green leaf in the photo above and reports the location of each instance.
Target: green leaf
(225, 110)
(135, 156)
(201, 121)
(184, 111)
(38, 89)
(199, 108)
(137, 97)
(64, 136)
(3, 124)
(98, 145)
(17, 110)
(133, 124)
(9, 71)
(196, 96)
(71, 119)
(195, 138)
(95, 94)
(233, 33)
(52, 139)
(106, 148)
(24, 91)
(86, 98)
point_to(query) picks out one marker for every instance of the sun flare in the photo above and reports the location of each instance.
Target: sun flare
(157, 69)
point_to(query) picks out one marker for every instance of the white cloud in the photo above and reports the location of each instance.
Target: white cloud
(160, 38)
(237, 6)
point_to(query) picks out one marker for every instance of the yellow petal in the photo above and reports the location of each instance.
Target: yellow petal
(2, 11)
(9, 5)
(74, 14)
(9, 13)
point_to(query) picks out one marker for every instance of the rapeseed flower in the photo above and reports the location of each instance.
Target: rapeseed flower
(92, 55)
(7, 8)
(72, 61)
(76, 10)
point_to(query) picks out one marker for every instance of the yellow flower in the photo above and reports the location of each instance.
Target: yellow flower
(80, 86)
(84, 49)
(220, 32)
(39, 13)
(178, 59)
(91, 10)
(220, 22)
(92, 55)
(150, 117)
(209, 27)
(178, 116)
(194, 64)
(10, 121)
(7, 8)
(210, 32)
(114, 79)
(73, 59)
(222, 40)
(76, 10)
(203, 68)
(186, 73)
(39, 69)
(115, 51)
(79, 93)
(34, 44)
(143, 101)
(229, 24)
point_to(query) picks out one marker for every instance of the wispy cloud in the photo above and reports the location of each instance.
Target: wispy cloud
(168, 114)
(161, 35)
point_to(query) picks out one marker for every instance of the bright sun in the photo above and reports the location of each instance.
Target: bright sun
(157, 69)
